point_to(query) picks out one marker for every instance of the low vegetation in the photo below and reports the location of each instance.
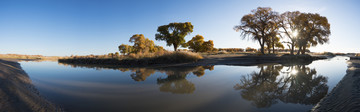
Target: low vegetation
(140, 59)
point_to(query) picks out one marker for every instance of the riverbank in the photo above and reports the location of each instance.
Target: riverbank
(345, 97)
(238, 60)
(17, 92)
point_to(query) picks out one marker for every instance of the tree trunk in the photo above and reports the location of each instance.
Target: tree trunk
(303, 50)
(273, 49)
(262, 49)
(299, 50)
(273, 44)
(292, 49)
(175, 47)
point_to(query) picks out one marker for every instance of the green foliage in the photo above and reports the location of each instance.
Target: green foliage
(174, 33)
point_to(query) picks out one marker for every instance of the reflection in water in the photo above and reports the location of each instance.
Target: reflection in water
(141, 74)
(175, 82)
(298, 84)
(192, 89)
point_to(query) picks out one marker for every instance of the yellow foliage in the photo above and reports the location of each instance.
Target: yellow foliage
(198, 44)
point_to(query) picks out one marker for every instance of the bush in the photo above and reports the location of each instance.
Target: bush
(178, 57)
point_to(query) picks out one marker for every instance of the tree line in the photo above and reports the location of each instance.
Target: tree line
(174, 35)
(300, 30)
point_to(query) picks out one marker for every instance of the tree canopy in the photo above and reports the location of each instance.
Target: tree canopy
(125, 49)
(302, 30)
(174, 33)
(198, 44)
(289, 28)
(259, 25)
(313, 30)
(142, 44)
(208, 46)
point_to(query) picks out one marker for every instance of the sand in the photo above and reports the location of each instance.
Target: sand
(17, 92)
(345, 97)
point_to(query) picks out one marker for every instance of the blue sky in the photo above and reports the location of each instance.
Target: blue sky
(82, 27)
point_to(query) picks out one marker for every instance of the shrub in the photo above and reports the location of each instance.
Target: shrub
(178, 57)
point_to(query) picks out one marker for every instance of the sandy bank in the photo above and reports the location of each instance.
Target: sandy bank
(345, 97)
(17, 92)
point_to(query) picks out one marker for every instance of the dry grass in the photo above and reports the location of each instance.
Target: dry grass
(19, 57)
(178, 57)
(136, 59)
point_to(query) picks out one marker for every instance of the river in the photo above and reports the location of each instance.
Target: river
(265, 87)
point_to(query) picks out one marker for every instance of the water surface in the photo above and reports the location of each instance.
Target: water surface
(266, 87)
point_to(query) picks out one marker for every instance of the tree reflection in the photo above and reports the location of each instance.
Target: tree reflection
(175, 81)
(298, 84)
(305, 87)
(176, 84)
(141, 74)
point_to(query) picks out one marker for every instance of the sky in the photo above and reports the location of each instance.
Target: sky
(83, 27)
